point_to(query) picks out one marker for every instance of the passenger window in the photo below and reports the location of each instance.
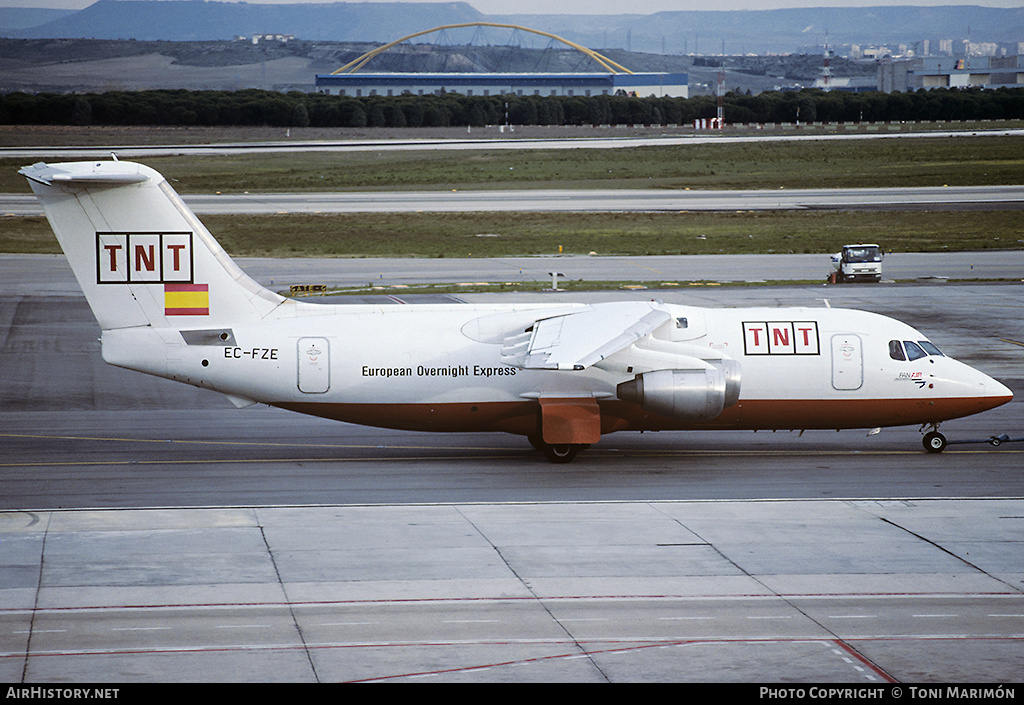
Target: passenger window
(896, 350)
(914, 350)
(930, 348)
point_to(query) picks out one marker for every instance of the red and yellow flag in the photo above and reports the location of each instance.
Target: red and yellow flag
(186, 299)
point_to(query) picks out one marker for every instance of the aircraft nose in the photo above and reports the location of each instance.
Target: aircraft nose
(992, 391)
(1000, 390)
(973, 390)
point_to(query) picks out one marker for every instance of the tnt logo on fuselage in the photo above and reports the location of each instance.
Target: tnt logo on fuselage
(781, 338)
(143, 258)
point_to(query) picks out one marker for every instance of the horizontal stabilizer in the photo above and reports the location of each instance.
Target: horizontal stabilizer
(110, 173)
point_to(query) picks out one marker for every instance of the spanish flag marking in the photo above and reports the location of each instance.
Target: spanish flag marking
(186, 299)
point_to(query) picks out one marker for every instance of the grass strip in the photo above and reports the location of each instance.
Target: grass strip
(523, 234)
(750, 165)
(926, 161)
(582, 285)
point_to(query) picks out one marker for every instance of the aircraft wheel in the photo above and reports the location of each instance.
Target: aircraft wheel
(561, 452)
(934, 442)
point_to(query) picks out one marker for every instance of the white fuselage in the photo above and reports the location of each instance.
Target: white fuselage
(439, 368)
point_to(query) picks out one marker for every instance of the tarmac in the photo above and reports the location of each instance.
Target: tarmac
(864, 592)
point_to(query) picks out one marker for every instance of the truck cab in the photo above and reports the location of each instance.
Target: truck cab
(858, 263)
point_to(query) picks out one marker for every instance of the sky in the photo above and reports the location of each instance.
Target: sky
(595, 7)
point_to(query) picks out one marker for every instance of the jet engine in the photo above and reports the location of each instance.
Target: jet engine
(691, 395)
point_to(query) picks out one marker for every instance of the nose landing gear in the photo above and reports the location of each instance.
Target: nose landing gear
(934, 442)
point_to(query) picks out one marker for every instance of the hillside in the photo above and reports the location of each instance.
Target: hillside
(191, 20)
(700, 32)
(97, 65)
(16, 18)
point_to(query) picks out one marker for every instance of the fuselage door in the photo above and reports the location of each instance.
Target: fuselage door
(847, 361)
(314, 365)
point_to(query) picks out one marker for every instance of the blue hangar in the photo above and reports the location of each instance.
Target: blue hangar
(642, 85)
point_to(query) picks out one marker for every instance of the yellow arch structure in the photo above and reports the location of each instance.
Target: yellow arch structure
(611, 66)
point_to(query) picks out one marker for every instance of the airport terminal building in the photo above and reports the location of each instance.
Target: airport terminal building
(642, 85)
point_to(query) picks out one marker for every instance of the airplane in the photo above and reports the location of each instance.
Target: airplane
(170, 302)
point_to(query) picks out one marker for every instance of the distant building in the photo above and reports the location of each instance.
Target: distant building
(854, 84)
(957, 72)
(950, 72)
(673, 85)
(894, 75)
(257, 38)
(875, 52)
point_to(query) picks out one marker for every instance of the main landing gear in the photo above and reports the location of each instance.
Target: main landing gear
(558, 452)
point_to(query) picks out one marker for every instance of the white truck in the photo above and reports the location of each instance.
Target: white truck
(857, 263)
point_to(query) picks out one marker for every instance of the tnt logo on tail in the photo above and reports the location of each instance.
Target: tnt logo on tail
(143, 258)
(154, 258)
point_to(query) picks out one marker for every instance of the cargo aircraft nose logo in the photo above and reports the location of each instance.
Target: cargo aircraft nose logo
(144, 258)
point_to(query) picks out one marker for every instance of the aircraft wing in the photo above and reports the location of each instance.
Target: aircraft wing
(577, 340)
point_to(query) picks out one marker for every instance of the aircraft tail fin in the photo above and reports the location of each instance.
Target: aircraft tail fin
(139, 253)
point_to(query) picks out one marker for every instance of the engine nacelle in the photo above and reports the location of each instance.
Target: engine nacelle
(690, 395)
(731, 369)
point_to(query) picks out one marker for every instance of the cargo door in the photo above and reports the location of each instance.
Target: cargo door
(314, 365)
(847, 362)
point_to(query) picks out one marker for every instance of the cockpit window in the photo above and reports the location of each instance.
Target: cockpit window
(914, 351)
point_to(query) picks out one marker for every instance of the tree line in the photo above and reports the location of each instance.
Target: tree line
(296, 109)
